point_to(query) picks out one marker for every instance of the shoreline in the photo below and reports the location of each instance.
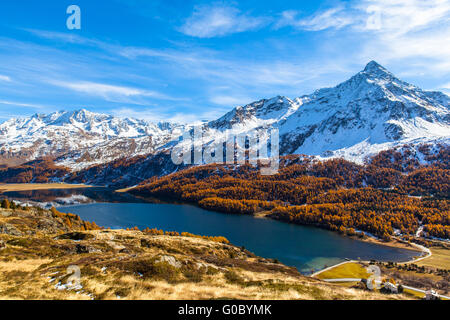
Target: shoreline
(418, 246)
(394, 243)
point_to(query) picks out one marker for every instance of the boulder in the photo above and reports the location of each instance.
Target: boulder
(170, 260)
(9, 229)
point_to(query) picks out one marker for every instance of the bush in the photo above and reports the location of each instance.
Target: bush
(6, 204)
(233, 278)
(152, 269)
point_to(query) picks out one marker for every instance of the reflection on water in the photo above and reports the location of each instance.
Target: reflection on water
(81, 195)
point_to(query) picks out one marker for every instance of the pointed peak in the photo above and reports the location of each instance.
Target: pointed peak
(374, 67)
(82, 111)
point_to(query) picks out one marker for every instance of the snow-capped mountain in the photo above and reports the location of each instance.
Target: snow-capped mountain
(256, 114)
(80, 138)
(373, 110)
(370, 112)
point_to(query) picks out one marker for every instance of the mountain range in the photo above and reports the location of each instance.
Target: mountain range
(370, 112)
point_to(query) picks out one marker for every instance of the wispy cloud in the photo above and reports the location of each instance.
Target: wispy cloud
(394, 16)
(103, 89)
(219, 20)
(337, 18)
(22, 104)
(5, 78)
(110, 92)
(411, 36)
(65, 37)
(390, 30)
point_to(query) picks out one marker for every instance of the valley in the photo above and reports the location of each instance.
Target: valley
(364, 174)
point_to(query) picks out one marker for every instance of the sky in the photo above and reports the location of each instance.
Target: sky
(184, 61)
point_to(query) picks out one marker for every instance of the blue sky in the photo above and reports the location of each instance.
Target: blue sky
(184, 60)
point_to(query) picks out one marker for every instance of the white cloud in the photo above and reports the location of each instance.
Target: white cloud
(332, 18)
(402, 16)
(219, 20)
(415, 30)
(394, 16)
(66, 37)
(102, 89)
(387, 30)
(111, 92)
(5, 78)
(22, 104)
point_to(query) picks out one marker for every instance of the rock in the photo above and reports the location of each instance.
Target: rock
(85, 249)
(170, 260)
(47, 225)
(9, 229)
(2, 245)
(5, 213)
(115, 246)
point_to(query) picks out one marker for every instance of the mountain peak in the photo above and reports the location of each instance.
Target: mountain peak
(375, 69)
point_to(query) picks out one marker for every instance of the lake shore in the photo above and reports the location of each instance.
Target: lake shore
(261, 215)
(8, 187)
(395, 243)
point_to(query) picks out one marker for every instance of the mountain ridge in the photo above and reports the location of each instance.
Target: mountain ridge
(370, 112)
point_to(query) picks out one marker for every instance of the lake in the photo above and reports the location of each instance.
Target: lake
(306, 248)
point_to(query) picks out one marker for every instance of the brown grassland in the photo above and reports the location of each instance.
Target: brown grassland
(37, 246)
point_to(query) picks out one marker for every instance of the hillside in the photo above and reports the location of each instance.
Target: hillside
(393, 195)
(38, 246)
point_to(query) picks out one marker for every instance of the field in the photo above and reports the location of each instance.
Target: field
(346, 270)
(39, 186)
(429, 273)
(440, 258)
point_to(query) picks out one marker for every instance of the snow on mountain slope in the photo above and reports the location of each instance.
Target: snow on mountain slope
(80, 138)
(370, 112)
(256, 114)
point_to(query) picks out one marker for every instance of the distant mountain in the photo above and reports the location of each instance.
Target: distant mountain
(370, 112)
(80, 138)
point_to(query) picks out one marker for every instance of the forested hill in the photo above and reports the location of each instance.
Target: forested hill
(393, 194)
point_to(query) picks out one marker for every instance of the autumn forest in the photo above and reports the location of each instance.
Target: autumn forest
(392, 194)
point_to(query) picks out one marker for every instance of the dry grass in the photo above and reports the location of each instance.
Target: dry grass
(39, 186)
(119, 264)
(347, 270)
(440, 258)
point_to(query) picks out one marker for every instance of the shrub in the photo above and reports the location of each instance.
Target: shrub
(6, 204)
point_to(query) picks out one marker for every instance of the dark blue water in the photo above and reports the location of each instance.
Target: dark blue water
(306, 248)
